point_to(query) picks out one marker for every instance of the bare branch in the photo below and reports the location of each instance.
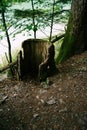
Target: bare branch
(58, 38)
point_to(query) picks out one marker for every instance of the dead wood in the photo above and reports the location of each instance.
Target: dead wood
(57, 38)
(47, 67)
(7, 67)
(35, 52)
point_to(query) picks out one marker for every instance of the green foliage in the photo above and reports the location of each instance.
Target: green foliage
(21, 20)
(42, 13)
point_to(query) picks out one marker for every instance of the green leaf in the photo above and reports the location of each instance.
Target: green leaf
(29, 27)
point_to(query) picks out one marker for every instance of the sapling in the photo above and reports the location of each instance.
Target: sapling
(33, 18)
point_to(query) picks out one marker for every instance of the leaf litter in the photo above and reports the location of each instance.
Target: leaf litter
(59, 105)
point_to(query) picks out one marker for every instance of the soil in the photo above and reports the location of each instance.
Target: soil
(60, 103)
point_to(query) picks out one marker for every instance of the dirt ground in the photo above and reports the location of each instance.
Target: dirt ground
(58, 104)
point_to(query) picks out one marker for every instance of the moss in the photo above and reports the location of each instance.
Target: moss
(67, 49)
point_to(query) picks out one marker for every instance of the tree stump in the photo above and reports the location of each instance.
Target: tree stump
(19, 66)
(48, 67)
(35, 52)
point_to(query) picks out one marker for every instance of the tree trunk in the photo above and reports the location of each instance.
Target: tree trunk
(75, 40)
(6, 31)
(7, 35)
(33, 18)
(35, 52)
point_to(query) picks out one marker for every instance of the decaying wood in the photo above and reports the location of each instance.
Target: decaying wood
(47, 67)
(3, 99)
(11, 67)
(57, 38)
(19, 66)
(8, 66)
(35, 52)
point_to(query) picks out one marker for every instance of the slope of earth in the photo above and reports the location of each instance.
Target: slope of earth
(59, 104)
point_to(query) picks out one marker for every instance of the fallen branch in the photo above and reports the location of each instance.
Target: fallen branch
(58, 38)
(3, 99)
(7, 67)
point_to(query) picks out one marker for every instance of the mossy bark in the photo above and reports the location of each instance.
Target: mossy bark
(75, 40)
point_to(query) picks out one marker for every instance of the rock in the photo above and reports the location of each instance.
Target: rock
(61, 101)
(36, 115)
(42, 101)
(63, 110)
(1, 110)
(42, 91)
(51, 101)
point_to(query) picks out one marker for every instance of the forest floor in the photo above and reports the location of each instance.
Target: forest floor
(60, 104)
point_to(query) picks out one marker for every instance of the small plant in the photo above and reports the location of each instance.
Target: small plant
(45, 84)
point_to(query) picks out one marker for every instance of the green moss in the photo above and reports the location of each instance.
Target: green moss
(67, 49)
(57, 48)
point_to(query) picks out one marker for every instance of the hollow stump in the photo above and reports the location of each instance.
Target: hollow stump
(35, 52)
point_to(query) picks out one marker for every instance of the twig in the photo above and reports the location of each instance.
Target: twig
(44, 33)
(7, 57)
(7, 67)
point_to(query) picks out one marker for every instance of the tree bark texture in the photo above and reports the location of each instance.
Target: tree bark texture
(48, 67)
(35, 52)
(75, 40)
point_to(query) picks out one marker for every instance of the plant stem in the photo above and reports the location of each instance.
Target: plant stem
(33, 18)
(7, 35)
(52, 22)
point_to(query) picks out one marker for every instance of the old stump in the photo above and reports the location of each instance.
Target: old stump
(35, 52)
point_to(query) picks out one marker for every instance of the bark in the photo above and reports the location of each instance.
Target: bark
(7, 35)
(35, 52)
(7, 67)
(20, 66)
(6, 31)
(48, 67)
(75, 40)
